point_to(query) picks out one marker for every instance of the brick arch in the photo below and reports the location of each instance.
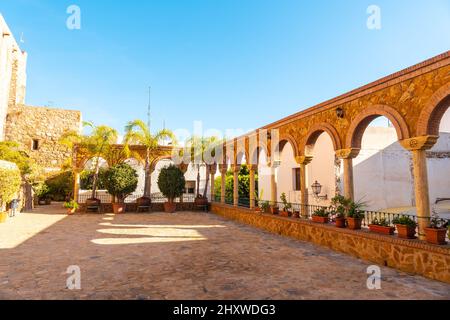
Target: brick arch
(155, 161)
(364, 118)
(431, 115)
(255, 152)
(316, 130)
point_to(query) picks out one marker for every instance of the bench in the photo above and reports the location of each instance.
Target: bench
(144, 208)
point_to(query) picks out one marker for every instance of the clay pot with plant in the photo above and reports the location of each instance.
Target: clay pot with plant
(171, 182)
(381, 226)
(120, 181)
(338, 209)
(406, 227)
(71, 206)
(437, 230)
(285, 212)
(355, 215)
(321, 215)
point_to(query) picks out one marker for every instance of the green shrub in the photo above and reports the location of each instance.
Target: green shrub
(121, 181)
(322, 212)
(87, 179)
(286, 205)
(171, 182)
(382, 222)
(72, 204)
(60, 186)
(42, 191)
(10, 182)
(405, 220)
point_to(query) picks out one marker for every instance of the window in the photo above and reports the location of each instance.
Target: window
(189, 187)
(35, 145)
(297, 182)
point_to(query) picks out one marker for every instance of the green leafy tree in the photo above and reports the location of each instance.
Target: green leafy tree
(121, 180)
(171, 182)
(243, 184)
(97, 143)
(10, 181)
(200, 146)
(137, 132)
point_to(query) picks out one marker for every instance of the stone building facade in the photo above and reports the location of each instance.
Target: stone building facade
(36, 129)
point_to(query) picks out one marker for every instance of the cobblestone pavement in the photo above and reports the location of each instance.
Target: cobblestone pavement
(180, 256)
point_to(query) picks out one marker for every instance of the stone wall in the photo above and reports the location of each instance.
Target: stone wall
(411, 256)
(45, 125)
(13, 77)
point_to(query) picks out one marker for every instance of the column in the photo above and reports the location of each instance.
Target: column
(212, 171)
(183, 167)
(236, 168)
(347, 156)
(303, 161)
(223, 177)
(418, 147)
(253, 169)
(273, 185)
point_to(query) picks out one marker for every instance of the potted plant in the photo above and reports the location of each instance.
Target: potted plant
(381, 226)
(286, 206)
(120, 181)
(265, 206)
(171, 182)
(406, 227)
(274, 209)
(355, 215)
(71, 206)
(43, 194)
(321, 216)
(337, 209)
(435, 233)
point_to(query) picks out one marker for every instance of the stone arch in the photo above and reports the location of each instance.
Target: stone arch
(364, 118)
(255, 152)
(316, 130)
(287, 138)
(431, 115)
(155, 161)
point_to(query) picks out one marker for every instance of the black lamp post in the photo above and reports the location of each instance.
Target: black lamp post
(317, 189)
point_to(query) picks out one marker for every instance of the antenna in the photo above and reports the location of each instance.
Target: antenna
(149, 107)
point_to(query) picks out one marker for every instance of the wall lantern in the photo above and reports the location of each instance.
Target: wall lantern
(317, 189)
(340, 113)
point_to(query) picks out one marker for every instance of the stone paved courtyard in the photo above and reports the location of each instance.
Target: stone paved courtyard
(180, 256)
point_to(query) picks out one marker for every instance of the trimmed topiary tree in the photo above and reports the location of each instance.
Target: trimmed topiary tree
(120, 181)
(171, 183)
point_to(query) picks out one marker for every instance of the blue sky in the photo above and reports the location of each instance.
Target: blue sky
(228, 63)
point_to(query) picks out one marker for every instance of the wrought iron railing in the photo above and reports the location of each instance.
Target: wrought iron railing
(155, 198)
(306, 211)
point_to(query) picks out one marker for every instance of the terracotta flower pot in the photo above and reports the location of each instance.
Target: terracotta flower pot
(143, 202)
(340, 222)
(71, 211)
(354, 223)
(318, 219)
(118, 208)
(296, 214)
(3, 217)
(436, 236)
(170, 207)
(406, 232)
(382, 229)
(274, 210)
(284, 213)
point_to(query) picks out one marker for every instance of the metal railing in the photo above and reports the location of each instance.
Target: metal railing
(155, 198)
(306, 211)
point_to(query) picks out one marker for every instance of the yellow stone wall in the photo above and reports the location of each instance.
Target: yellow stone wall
(411, 256)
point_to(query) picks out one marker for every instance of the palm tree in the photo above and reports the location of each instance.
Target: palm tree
(199, 147)
(137, 132)
(100, 140)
